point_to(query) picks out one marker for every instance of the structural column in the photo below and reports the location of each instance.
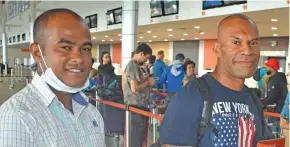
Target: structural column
(4, 37)
(129, 25)
(32, 18)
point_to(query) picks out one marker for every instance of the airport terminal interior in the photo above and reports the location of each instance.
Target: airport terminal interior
(189, 27)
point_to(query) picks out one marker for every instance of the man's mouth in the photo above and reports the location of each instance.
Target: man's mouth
(74, 70)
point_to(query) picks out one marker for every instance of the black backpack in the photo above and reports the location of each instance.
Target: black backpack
(205, 123)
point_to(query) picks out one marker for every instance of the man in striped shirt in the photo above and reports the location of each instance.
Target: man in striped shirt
(52, 111)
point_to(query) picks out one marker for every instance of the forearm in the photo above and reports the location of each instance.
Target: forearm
(141, 86)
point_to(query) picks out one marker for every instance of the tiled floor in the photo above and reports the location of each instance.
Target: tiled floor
(5, 91)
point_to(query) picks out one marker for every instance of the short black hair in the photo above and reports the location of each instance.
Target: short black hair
(143, 48)
(42, 20)
(160, 52)
(188, 63)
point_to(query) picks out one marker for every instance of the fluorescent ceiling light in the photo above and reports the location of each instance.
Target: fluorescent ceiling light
(182, 39)
(197, 27)
(274, 20)
(141, 37)
(111, 39)
(120, 39)
(106, 36)
(149, 31)
(196, 38)
(119, 34)
(275, 35)
(150, 40)
(165, 40)
(94, 37)
(201, 33)
(103, 40)
(154, 36)
(170, 35)
(185, 34)
(169, 30)
(138, 41)
(274, 28)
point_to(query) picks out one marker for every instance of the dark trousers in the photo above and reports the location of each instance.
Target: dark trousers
(138, 132)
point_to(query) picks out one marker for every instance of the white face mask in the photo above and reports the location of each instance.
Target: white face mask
(50, 78)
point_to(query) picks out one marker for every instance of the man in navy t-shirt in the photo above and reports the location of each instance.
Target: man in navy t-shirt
(234, 114)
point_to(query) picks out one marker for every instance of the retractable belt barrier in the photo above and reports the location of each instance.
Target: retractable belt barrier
(279, 142)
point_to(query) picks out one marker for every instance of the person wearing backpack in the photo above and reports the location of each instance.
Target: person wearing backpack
(218, 109)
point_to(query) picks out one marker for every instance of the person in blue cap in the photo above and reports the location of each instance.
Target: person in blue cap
(173, 76)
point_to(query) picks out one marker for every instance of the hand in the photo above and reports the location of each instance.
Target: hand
(151, 81)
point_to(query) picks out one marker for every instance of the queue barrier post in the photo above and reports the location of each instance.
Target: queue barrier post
(127, 122)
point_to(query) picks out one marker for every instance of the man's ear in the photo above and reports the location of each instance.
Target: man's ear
(33, 48)
(217, 49)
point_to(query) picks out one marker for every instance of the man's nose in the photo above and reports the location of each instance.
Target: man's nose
(76, 56)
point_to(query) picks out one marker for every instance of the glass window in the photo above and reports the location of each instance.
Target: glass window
(94, 21)
(156, 8)
(110, 18)
(170, 7)
(14, 39)
(23, 37)
(118, 15)
(18, 38)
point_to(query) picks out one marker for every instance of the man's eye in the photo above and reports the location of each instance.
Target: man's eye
(66, 47)
(236, 42)
(253, 43)
(87, 49)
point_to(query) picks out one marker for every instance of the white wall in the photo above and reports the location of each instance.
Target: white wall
(187, 10)
(14, 53)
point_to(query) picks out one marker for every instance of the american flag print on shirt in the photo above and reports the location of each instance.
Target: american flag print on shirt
(235, 123)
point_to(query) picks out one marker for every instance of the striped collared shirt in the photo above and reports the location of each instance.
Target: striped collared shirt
(27, 120)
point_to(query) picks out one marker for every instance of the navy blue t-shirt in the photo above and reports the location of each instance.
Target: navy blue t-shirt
(234, 114)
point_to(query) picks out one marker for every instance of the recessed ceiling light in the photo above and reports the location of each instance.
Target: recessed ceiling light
(150, 40)
(103, 40)
(197, 27)
(138, 41)
(154, 36)
(169, 30)
(201, 33)
(182, 39)
(170, 35)
(111, 39)
(106, 36)
(120, 39)
(275, 35)
(141, 37)
(274, 20)
(165, 40)
(149, 31)
(119, 34)
(185, 34)
(274, 28)
(94, 37)
(196, 38)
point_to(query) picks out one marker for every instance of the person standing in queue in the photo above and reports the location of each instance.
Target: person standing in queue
(189, 68)
(159, 67)
(235, 116)
(276, 91)
(136, 89)
(52, 111)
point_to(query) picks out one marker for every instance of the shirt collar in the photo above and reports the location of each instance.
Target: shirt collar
(47, 95)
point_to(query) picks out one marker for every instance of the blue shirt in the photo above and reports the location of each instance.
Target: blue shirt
(172, 77)
(285, 110)
(263, 72)
(158, 69)
(234, 114)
